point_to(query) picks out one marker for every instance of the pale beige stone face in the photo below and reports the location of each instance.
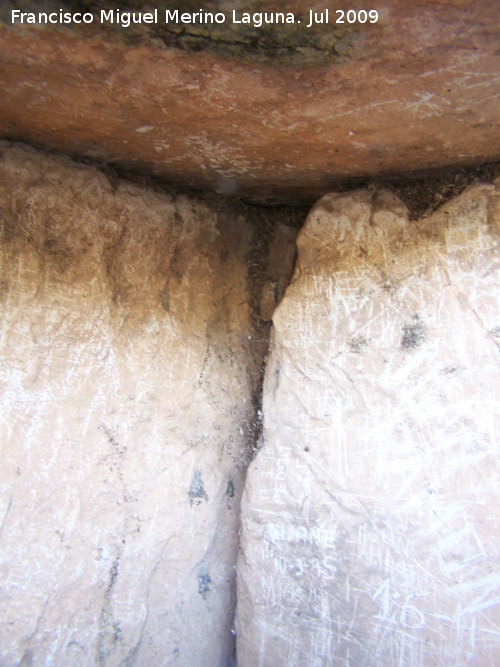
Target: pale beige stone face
(370, 516)
(127, 370)
(132, 338)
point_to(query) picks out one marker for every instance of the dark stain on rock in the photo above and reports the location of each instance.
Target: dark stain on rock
(110, 633)
(164, 300)
(230, 493)
(358, 344)
(197, 490)
(204, 581)
(414, 334)
(27, 659)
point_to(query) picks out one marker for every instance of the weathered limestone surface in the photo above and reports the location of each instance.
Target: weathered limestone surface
(276, 113)
(128, 368)
(370, 517)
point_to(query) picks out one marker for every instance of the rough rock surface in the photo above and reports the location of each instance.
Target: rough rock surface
(370, 517)
(129, 369)
(278, 113)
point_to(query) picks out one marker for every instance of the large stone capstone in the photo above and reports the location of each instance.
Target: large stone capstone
(370, 516)
(280, 112)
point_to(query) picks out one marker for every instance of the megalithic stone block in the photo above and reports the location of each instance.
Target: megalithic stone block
(370, 517)
(128, 366)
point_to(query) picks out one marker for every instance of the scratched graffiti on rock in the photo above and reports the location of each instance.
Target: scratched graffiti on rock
(371, 512)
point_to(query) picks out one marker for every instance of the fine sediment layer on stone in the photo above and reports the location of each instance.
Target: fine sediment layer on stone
(370, 516)
(130, 360)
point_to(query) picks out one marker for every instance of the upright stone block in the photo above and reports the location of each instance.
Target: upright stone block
(370, 516)
(128, 370)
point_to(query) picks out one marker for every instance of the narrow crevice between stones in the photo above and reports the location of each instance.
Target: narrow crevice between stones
(267, 282)
(257, 259)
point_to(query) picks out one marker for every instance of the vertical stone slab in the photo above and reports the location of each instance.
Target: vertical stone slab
(127, 375)
(370, 516)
